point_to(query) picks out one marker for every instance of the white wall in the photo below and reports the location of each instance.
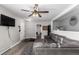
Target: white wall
(65, 20)
(22, 33)
(71, 32)
(68, 34)
(31, 28)
(5, 41)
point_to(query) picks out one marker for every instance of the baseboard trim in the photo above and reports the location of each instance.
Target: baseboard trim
(10, 47)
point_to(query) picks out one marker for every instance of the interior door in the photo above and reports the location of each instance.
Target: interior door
(39, 31)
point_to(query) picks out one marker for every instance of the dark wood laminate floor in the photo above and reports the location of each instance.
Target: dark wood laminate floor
(23, 48)
(69, 47)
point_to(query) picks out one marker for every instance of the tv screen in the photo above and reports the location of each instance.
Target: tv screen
(7, 21)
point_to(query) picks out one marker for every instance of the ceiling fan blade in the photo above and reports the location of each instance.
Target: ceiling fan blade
(31, 14)
(43, 11)
(26, 10)
(39, 15)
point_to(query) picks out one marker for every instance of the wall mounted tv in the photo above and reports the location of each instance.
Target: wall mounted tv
(7, 21)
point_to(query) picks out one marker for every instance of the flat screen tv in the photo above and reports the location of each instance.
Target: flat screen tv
(7, 21)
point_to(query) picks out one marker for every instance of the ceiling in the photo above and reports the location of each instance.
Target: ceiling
(54, 10)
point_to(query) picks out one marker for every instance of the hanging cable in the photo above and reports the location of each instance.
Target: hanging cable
(9, 34)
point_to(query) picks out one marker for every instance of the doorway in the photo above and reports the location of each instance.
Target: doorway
(49, 29)
(39, 31)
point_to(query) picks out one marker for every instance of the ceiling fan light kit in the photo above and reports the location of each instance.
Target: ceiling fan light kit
(35, 14)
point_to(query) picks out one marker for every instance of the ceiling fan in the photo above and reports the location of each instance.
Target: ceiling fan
(35, 11)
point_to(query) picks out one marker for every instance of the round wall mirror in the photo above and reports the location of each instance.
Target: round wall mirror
(73, 21)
